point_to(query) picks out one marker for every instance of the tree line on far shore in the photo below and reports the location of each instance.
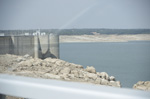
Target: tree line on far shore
(78, 31)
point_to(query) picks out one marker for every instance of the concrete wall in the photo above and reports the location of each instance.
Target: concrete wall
(36, 46)
(23, 45)
(6, 45)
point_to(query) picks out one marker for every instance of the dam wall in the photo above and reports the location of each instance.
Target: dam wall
(36, 46)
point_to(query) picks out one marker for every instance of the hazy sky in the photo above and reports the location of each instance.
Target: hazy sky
(48, 14)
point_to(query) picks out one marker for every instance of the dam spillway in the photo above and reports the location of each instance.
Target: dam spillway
(36, 46)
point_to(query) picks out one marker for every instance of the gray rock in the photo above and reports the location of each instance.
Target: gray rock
(90, 69)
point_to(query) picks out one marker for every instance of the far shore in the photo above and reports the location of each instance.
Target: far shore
(104, 38)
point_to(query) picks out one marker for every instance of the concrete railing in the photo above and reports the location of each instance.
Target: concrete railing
(34, 88)
(36, 46)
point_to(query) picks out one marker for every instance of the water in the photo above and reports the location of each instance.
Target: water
(129, 62)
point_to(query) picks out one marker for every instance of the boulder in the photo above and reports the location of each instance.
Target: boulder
(66, 70)
(114, 84)
(147, 83)
(141, 85)
(103, 75)
(90, 69)
(91, 75)
(48, 75)
(104, 82)
(75, 72)
(98, 81)
(112, 78)
(26, 56)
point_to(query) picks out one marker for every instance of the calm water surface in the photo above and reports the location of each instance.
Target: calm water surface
(129, 62)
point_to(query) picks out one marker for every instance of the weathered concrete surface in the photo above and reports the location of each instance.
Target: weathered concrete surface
(6, 45)
(36, 46)
(50, 68)
(142, 85)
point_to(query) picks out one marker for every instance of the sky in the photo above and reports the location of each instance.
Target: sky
(66, 14)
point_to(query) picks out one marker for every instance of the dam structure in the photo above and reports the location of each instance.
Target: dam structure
(37, 46)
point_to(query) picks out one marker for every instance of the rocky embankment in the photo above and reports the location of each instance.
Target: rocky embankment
(142, 85)
(54, 69)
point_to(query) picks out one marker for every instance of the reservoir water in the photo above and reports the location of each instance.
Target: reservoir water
(129, 62)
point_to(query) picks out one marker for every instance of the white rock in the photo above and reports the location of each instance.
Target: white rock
(26, 56)
(141, 87)
(140, 82)
(114, 84)
(52, 76)
(147, 83)
(98, 81)
(75, 72)
(112, 78)
(90, 69)
(71, 75)
(104, 82)
(91, 75)
(104, 75)
(66, 70)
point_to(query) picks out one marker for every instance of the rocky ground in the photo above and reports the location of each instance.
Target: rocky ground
(142, 85)
(104, 38)
(54, 69)
(50, 68)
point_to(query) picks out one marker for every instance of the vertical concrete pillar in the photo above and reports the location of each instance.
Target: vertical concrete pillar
(54, 45)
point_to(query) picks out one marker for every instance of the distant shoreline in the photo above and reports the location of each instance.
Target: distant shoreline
(103, 38)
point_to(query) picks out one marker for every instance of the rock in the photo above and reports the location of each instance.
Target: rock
(81, 75)
(112, 78)
(66, 70)
(98, 81)
(60, 62)
(52, 76)
(91, 75)
(103, 75)
(78, 66)
(114, 84)
(75, 72)
(26, 56)
(140, 82)
(147, 83)
(141, 85)
(19, 59)
(104, 82)
(71, 76)
(90, 69)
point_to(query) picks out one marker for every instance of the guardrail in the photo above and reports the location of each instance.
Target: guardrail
(36, 88)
